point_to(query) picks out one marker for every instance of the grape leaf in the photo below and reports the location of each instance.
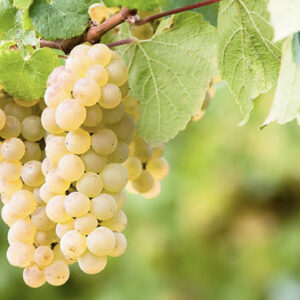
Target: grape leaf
(138, 4)
(286, 106)
(59, 19)
(170, 73)
(285, 17)
(248, 59)
(25, 77)
(7, 16)
(22, 4)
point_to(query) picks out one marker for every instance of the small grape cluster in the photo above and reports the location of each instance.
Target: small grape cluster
(64, 164)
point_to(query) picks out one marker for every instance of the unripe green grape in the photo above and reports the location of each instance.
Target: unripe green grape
(134, 167)
(90, 184)
(55, 95)
(114, 115)
(158, 167)
(45, 238)
(77, 204)
(34, 276)
(20, 254)
(86, 224)
(23, 230)
(78, 141)
(104, 206)
(2, 119)
(10, 187)
(121, 245)
(118, 73)
(93, 116)
(99, 54)
(73, 244)
(63, 228)
(56, 211)
(32, 152)
(55, 183)
(94, 162)
(32, 174)
(43, 256)
(40, 219)
(49, 122)
(57, 273)
(104, 141)
(99, 74)
(142, 32)
(10, 170)
(87, 92)
(70, 115)
(115, 177)
(153, 192)
(117, 223)
(110, 96)
(56, 149)
(78, 64)
(144, 182)
(13, 109)
(91, 264)
(70, 168)
(12, 128)
(23, 202)
(124, 129)
(13, 149)
(120, 154)
(32, 129)
(101, 241)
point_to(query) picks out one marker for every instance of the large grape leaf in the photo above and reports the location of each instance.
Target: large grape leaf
(170, 73)
(138, 4)
(248, 59)
(25, 77)
(285, 17)
(7, 16)
(59, 19)
(286, 106)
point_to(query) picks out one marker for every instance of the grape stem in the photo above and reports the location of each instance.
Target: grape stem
(95, 32)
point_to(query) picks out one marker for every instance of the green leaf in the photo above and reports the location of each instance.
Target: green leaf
(209, 12)
(248, 59)
(286, 104)
(170, 73)
(284, 17)
(7, 16)
(59, 19)
(22, 4)
(138, 4)
(25, 77)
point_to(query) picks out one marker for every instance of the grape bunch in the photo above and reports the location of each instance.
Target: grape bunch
(65, 161)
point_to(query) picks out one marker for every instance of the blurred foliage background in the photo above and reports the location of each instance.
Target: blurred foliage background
(226, 226)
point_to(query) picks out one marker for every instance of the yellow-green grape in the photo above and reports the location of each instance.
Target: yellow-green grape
(49, 122)
(158, 167)
(110, 96)
(25, 103)
(115, 56)
(10, 187)
(134, 167)
(34, 276)
(4, 99)
(32, 129)
(104, 141)
(32, 152)
(132, 107)
(93, 116)
(87, 92)
(124, 89)
(80, 50)
(77, 204)
(57, 273)
(91, 264)
(78, 141)
(2, 119)
(118, 73)
(10, 170)
(94, 162)
(124, 129)
(115, 177)
(66, 80)
(23, 202)
(153, 192)
(40, 219)
(55, 209)
(70, 115)
(121, 199)
(115, 115)
(20, 254)
(45, 193)
(23, 230)
(56, 149)
(78, 64)
(32, 174)
(142, 32)
(143, 151)
(63, 228)
(99, 54)
(99, 74)
(73, 244)
(117, 223)
(44, 238)
(12, 128)
(121, 245)
(90, 184)
(13, 149)
(8, 214)
(47, 166)
(13, 109)
(144, 182)
(101, 241)
(52, 79)
(70, 167)
(158, 151)
(86, 223)
(43, 256)
(120, 154)
(104, 206)
(55, 183)
(55, 95)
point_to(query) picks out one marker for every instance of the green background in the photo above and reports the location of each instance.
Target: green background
(225, 227)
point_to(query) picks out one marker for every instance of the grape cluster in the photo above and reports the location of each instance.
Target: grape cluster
(65, 161)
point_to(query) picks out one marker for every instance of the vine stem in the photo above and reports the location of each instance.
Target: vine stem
(95, 32)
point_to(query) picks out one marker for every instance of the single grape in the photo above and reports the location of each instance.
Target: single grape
(94, 162)
(20, 254)
(121, 245)
(13, 109)
(86, 224)
(63, 228)
(121, 153)
(77, 204)
(90, 184)
(54, 95)
(43, 256)
(45, 238)
(78, 141)
(104, 141)
(55, 183)
(52, 79)
(49, 122)
(73, 244)
(121, 199)
(45, 194)
(110, 96)
(34, 276)
(87, 92)
(47, 166)
(115, 115)
(99, 74)
(93, 116)
(32, 174)
(56, 211)
(91, 264)
(144, 182)
(153, 192)
(78, 64)
(124, 129)
(32, 129)
(23, 230)
(117, 223)
(57, 273)
(99, 54)
(115, 177)
(158, 167)
(12, 128)
(23, 202)
(40, 219)
(32, 152)
(10, 170)
(118, 73)
(70, 168)
(104, 206)
(8, 188)
(134, 167)
(80, 50)
(56, 149)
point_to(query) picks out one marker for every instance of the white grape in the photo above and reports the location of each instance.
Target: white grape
(32, 152)
(10, 170)
(99, 54)
(43, 256)
(54, 95)
(32, 129)
(23, 202)
(66, 80)
(90, 184)
(63, 228)
(58, 255)
(10, 187)
(87, 92)
(144, 182)
(117, 223)
(113, 116)
(13, 109)
(23, 230)
(40, 219)
(153, 192)
(70, 168)
(45, 194)
(55, 183)
(134, 167)
(8, 214)
(104, 206)
(73, 244)
(47, 166)
(13, 149)
(115, 56)
(56, 211)
(56, 148)
(49, 122)
(12, 128)
(57, 273)
(143, 151)
(121, 245)
(44, 238)
(120, 154)
(124, 129)
(115, 177)
(86, 224)
(94, 162)
(158, 167)
(91, 264)
(77, 204)
(99, 74)
(52, 79)
(80, 50)
(78, 141)
(121, 199)
(32, 174)
(110, 96)
(78, 64)
(20, 254)
(93, 116)
(118, 73)
(34, 276)
(104, 141)
(37, 197)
